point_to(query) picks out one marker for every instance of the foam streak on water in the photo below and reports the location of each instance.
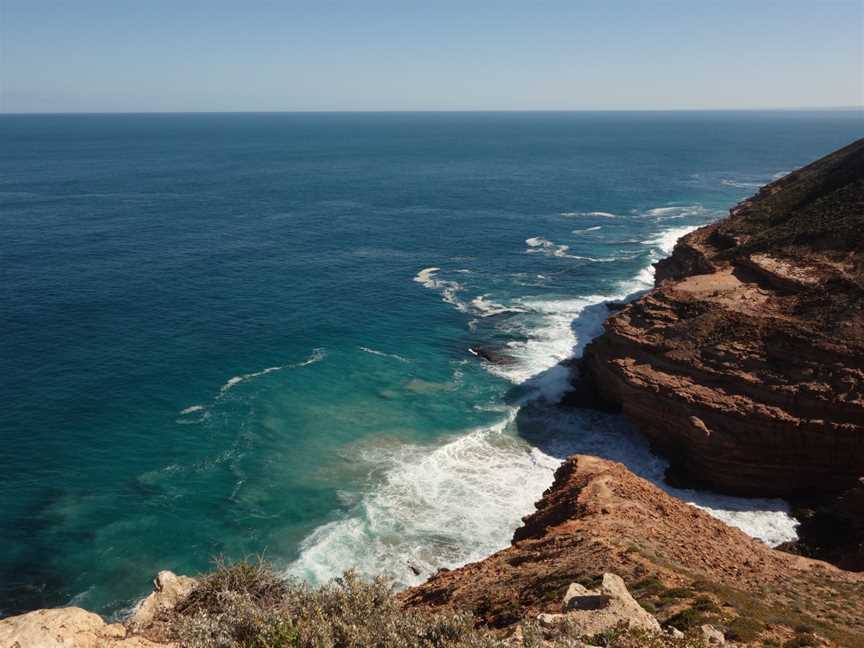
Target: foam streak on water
(382, 354)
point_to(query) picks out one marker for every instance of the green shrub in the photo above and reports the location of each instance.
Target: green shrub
(744, 629)
(687, 619)
(705, 604)
(678, 593)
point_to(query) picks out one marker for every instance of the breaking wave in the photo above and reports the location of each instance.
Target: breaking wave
(460, 500)
(439, 506)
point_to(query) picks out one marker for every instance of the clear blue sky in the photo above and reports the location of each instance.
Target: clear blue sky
(219, 55)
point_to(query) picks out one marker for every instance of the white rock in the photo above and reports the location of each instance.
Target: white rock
(590, 612)
(168, 589)
(581, 598)
(675, 633)
(712, 635)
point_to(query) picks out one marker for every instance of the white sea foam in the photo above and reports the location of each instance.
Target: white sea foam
(673, 212)
(587, 229)
(426, 276)
(447, 289)
(316, 356)
(596, 214)
(192, 409)
(666, 240)
(394, 356)
(486, 308)
(661, 246)
(460, 500)
(663, 211)
(740, 184)
(536, 241)
(556, 329)
(552, 330)
(612, 437)
(439, 506)
(549, 248)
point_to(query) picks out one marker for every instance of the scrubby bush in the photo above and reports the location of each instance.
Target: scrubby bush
(246, 605)
(744, 629)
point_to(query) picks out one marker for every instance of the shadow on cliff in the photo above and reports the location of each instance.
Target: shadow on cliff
(560, 430)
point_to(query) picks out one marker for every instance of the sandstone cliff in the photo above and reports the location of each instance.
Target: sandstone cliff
(745, 365)
(682, 564)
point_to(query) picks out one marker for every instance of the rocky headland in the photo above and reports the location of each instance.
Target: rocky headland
(745, 365)
(681, 564)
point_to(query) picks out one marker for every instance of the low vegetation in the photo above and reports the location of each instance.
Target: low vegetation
(246, 605)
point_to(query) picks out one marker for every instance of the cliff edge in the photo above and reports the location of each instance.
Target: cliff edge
(745, 364)
(680, 563)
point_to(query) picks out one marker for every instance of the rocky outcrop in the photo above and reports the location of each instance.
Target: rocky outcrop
(73, 627)
(168, 590)
(679, 563)
(589, 612)
(745, 365)
(67, 628)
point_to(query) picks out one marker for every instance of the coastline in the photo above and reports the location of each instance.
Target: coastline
(502, 469)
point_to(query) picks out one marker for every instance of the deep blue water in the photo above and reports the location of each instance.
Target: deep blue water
(218, 338)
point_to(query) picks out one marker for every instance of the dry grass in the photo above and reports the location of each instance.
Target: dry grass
(246, 605)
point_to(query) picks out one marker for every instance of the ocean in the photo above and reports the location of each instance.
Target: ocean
(258, 334)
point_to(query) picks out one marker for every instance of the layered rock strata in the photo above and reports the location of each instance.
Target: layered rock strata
(745, 364)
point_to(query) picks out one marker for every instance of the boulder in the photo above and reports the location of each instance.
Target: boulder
(712, 636)
(66, 628)
(168, 589)
(590, 612)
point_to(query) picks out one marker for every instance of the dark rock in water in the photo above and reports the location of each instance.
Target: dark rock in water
(832, 529)
(491, 355)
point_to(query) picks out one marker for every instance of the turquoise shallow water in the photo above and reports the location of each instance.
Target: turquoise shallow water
(236, 334)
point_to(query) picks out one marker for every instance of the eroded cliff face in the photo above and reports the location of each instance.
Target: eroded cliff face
(745, 365)
(676, 559)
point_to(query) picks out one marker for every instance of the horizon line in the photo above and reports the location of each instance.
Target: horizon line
(442, 111)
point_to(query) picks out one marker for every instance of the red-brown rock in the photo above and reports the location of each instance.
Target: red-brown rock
(745, 365)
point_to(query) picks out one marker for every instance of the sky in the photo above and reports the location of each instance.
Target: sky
(252, 55)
